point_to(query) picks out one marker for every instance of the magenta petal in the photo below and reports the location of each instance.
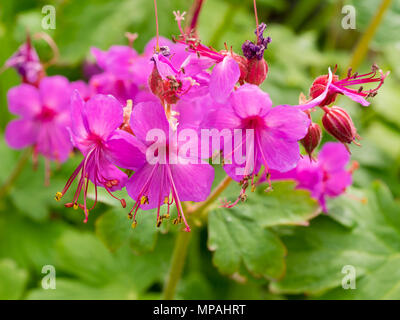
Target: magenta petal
(220, 116)
(107, 172)
(164, 66)
(79, 125)
(315, 102)
(353, 96)
(249, 100)
(194, 65)
(54, 142)
(55, 92)
(119, 58)
(24, 100)
(147, 116)
(310, 177)
(289, 123)
(333, 157)
(338, 183)
(21, 133)
(100, 57)
(192, 181)
(104, 115)
(126, 151)
(152, 176)
(223, 79)
(280, 155)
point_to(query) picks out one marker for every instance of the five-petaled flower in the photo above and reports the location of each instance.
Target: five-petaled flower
(94, 126)
(44, 117)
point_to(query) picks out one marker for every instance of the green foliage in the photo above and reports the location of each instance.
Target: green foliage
(114, 229)
(12, 279)
(370, 243)
(275, 245)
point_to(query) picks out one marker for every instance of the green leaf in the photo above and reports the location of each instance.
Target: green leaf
(84, 256)
(283, 206)
(12, 280)
(95, 273)
(29, 243)
(237, 239)
(317, 254)
(67, 289)
(114, 229)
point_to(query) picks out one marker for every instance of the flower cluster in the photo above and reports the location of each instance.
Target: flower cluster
(140, 121)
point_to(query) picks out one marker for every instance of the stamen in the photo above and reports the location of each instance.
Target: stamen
(131, 37)
(256, 15)
(157, 33)
(179, 17)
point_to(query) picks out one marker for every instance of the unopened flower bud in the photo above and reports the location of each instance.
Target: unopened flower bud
(312, 139)
(257, 71)
(339, 124)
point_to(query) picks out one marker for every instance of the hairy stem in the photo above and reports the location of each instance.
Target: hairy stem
(177, 264)
(362, 47)
(6, 187)
(183, 239)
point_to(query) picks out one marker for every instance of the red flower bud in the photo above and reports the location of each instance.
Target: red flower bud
(338, 123)
(155, 82)
(319, 86)
(166, 89)
(312, 139)
(257, 71)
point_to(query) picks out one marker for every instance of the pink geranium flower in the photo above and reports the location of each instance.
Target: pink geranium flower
(276, 132)
(163, 180)
(325, 178)
(94, 125)
(44, 117)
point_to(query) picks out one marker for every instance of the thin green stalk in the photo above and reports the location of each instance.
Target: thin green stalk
(362, 47)
(177, 264)
(6, 187)
(182, 242)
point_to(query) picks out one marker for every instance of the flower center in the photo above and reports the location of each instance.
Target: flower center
(47, 114)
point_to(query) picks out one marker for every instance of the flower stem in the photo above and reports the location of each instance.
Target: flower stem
(182, 242)
(177, 264)
(361, 49)
(6, 187)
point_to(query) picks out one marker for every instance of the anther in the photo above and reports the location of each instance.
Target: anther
(134, 224)
(58, 196)
(123, 203)
(144, 200)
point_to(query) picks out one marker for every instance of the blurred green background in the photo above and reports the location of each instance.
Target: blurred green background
(265, 253)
